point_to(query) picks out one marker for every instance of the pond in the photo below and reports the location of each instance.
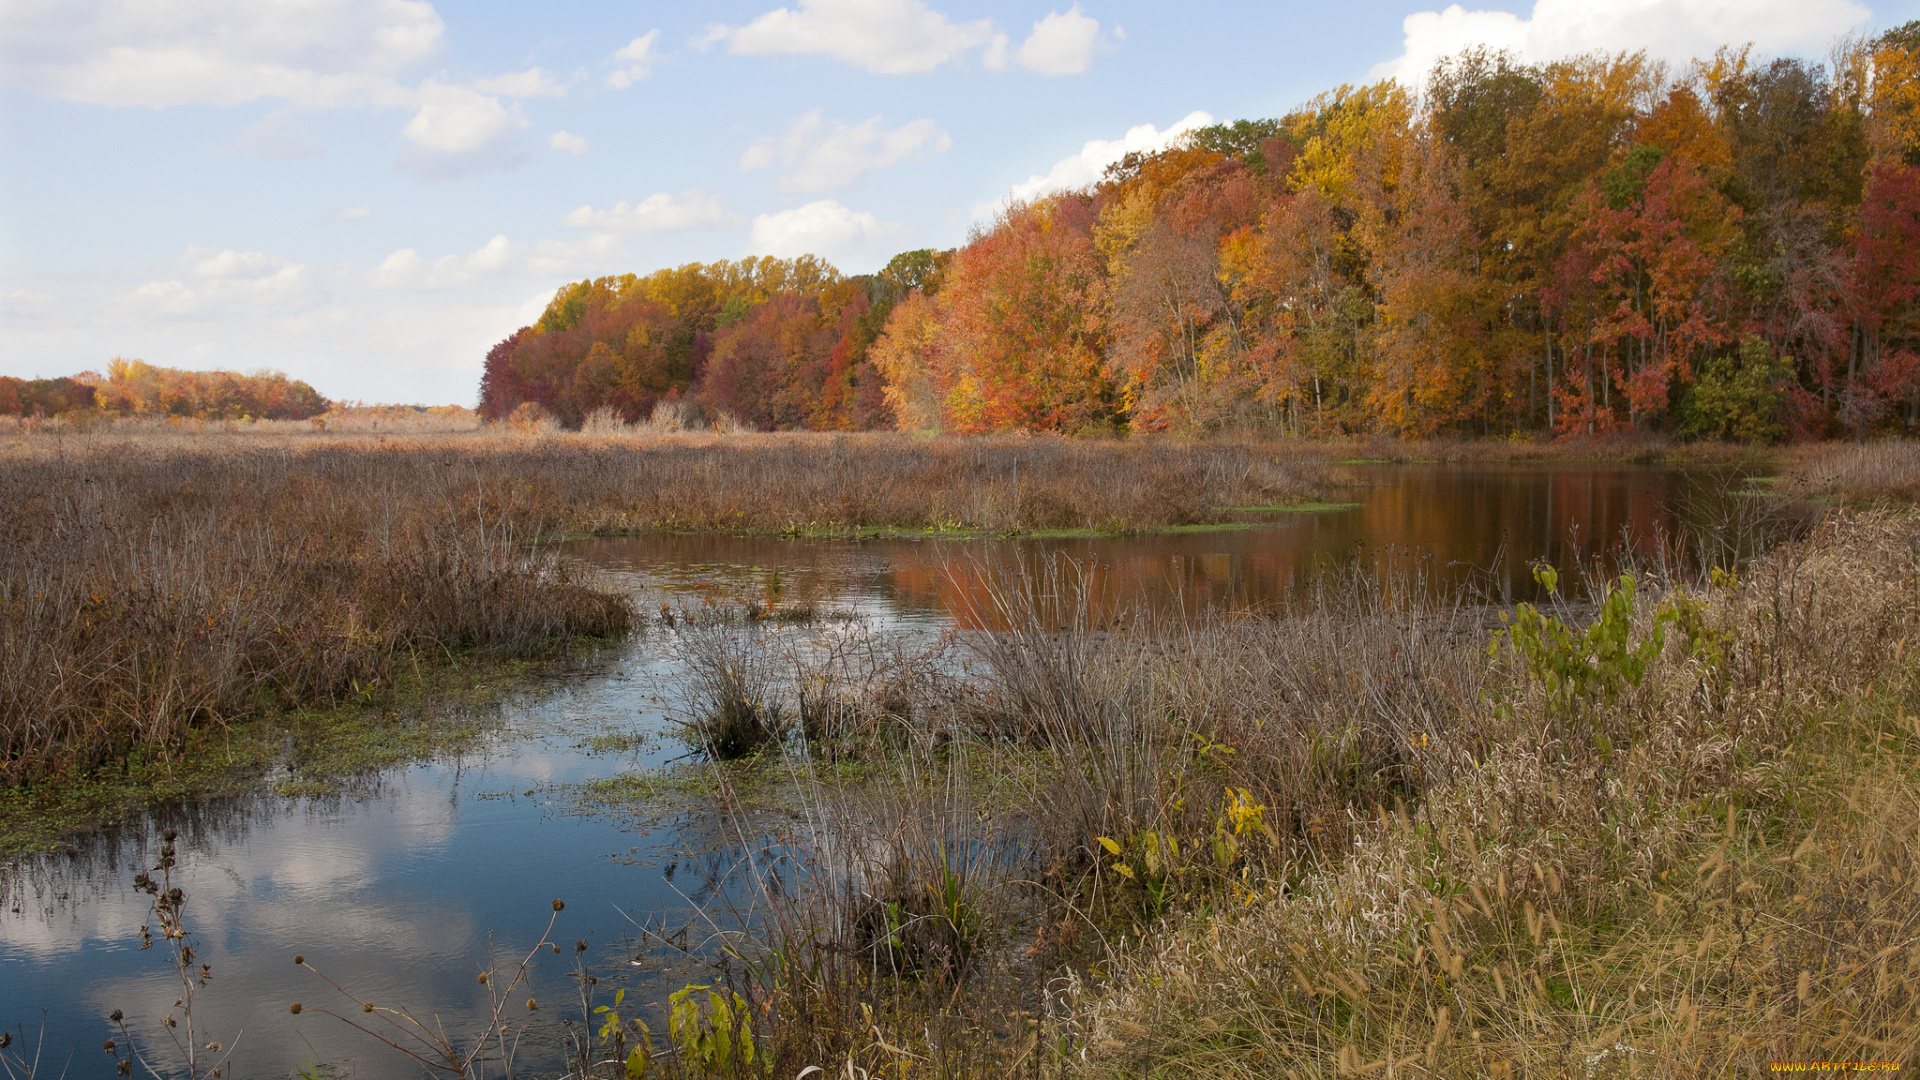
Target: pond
(397, 887)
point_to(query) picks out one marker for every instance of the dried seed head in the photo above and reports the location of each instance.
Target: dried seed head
(483, 977)
(580, 946)
(113, 1016)
(294, 1008)
(298, 959)
(366, 1006)
(557, 905)
(532, 1004)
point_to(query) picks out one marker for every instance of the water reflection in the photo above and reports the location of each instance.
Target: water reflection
(1479, 527)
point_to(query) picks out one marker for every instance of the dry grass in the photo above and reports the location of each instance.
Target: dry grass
(155, 576)
(1873, 471)
(1714, 871)
(607, 483)
(147, 589)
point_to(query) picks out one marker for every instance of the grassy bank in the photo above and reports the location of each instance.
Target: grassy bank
(1367, 836)
(1697, 872)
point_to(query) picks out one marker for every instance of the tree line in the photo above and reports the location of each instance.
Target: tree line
(1558, 249)
(135, 388)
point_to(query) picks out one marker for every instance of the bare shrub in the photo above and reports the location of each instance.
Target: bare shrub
(670, 417)
(605, 420)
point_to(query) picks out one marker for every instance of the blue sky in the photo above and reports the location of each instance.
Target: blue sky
(366, 194)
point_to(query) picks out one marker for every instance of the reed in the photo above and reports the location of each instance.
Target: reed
(1864, 472)
(1666, 833)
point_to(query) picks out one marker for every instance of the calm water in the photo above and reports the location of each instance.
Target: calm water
(397, 889)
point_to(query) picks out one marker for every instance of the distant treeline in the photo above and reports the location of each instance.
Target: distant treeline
(774, 343)
(134, 388)
(1554, 249)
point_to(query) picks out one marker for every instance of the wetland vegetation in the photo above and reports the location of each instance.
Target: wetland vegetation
(1661, 823)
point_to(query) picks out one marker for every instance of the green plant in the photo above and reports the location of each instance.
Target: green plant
(614, 1029)
(714, 1035)
(1582, 667)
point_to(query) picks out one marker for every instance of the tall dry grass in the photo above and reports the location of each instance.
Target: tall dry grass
(155, 577)
(1715, 870)
(1883, 470)
(648, 478)
(148, 589)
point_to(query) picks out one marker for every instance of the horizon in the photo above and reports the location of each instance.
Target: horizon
(369, 196)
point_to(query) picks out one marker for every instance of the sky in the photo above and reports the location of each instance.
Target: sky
(367, 194)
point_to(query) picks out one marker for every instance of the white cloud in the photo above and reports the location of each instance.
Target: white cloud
(830, 230)
(819, 157)
(230, 265)
(1672, 30)
(533, 82)
(459, 131)
(1060, 44)
(891, 37)
(996, 56)
(637, 58)
(408, 269)
(307, 53)
(1086, 167)
(160, 53)
(280, 136)
(217, 278)
(572, 144)
(238, 311)
(23, 303)
(696, 208)
(354, 213)
(458, 120)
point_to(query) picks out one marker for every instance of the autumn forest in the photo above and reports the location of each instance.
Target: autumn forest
(1598, 244)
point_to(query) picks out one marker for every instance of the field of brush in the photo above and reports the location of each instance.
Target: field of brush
(1671, 829)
